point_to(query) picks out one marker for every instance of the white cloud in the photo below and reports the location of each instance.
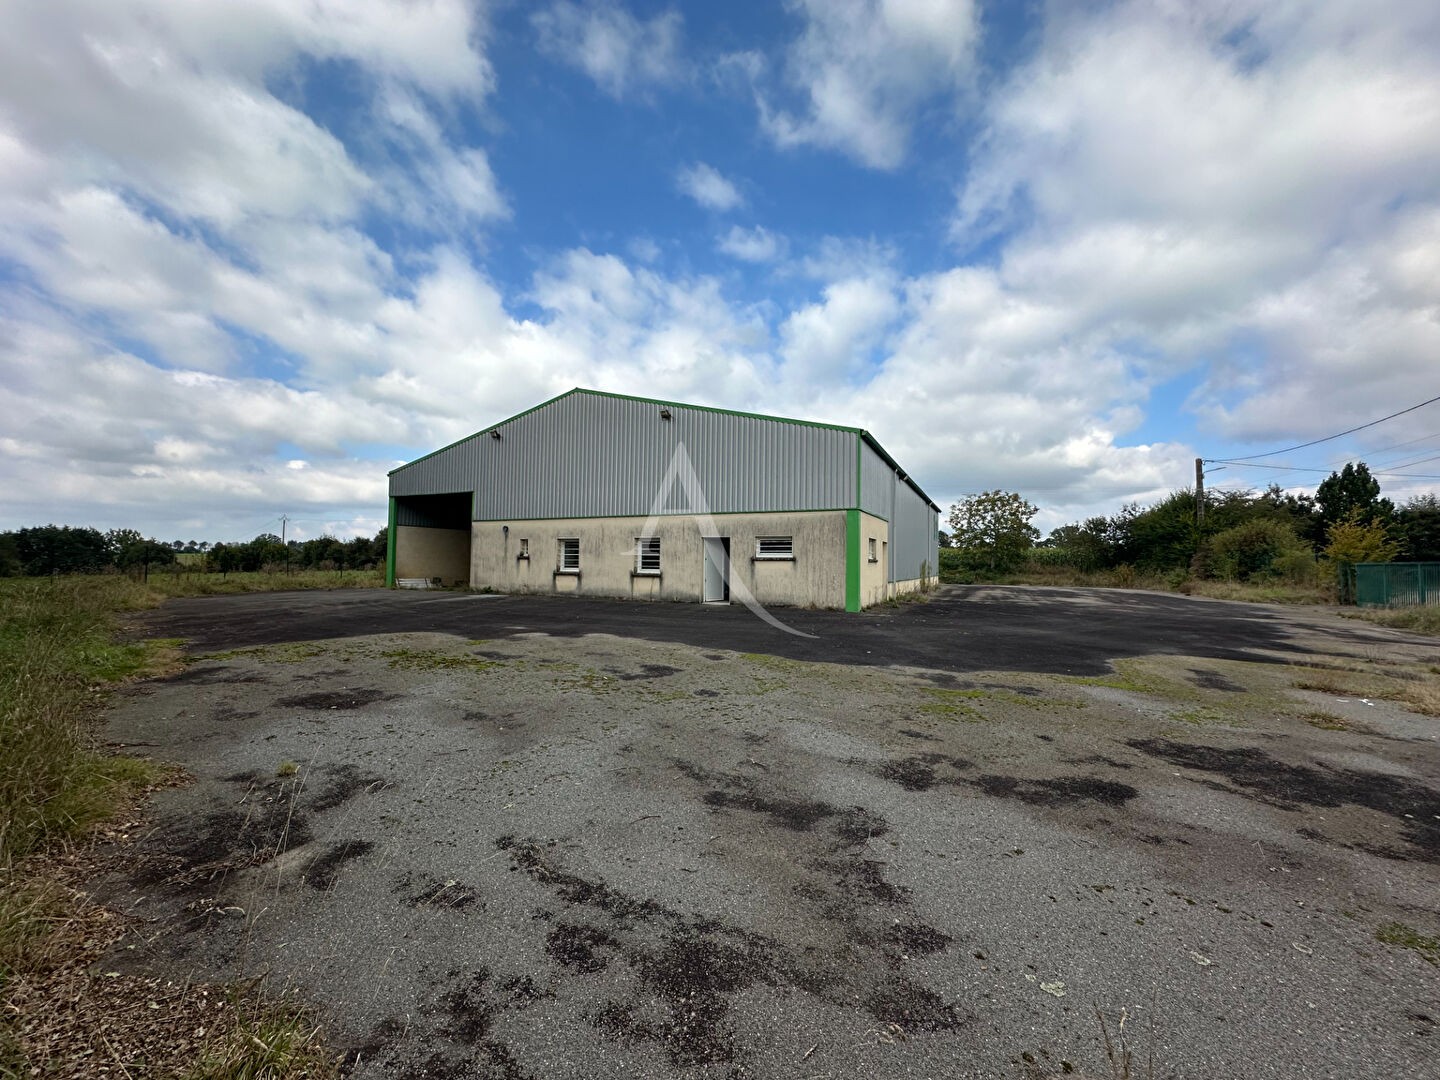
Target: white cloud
(622, 54)
(831, 342)
(1249, 187)
(867, 68)
(708, 187)
(197, 296)
(172, 101)
(753, 245)
(431, 181)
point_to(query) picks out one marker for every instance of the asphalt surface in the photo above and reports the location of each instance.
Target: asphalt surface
(966, 628)
(529, 839)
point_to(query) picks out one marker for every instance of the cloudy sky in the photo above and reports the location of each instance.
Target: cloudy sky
(254, 253)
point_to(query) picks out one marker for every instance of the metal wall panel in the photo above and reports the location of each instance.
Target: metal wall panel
(877, 487)
(914, 525)
(591, 455)
(914, 535)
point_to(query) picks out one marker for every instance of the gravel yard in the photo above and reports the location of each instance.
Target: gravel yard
(539, 851)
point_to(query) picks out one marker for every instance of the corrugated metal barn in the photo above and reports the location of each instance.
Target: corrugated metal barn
(611, 495)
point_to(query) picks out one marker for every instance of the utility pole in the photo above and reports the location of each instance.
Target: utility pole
(1199, 493)
(285, 520)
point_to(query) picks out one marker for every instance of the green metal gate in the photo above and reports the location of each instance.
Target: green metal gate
(1397, 584)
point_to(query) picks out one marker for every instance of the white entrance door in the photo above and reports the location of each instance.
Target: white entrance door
(717, 569)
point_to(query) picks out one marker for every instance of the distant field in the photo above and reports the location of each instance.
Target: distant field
(168, 582)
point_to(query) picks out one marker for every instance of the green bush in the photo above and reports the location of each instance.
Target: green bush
(1257, 550)
(953, 567)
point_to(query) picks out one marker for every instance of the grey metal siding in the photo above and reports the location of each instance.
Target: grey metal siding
(914, 535)
(589, 455)
(876, 483)
(914, 524)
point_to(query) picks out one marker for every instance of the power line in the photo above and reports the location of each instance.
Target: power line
(1411, 464)
(1328, 438)
(1297, 468)
(1372, 454)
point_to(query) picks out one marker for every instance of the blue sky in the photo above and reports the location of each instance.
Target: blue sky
(254, 253)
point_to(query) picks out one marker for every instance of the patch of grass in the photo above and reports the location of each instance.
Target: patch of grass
(1125, 677)
(1258, 592)
(286, 768)
(29, 910)
(1327, 721)
(167, 584)
(1407, 937)
(1423, 697)
(774, 663)
(1421, 620)
(57, 663)
(950, 704)
(280, 1041)
(1416, 691)
(1330, 681)
(56, 660)
(905, 599)
(1205, 716)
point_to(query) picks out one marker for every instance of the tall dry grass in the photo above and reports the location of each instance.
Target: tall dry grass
(57, 657)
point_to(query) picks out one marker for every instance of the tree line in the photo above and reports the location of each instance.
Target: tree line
(1269, 535)
(43, 550)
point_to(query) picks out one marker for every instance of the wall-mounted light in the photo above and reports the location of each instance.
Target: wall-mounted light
(505, 529)
(495, 433)
(664, 414)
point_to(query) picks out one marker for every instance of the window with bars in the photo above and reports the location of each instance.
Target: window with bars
(647, 555)
(873, 556)
(775, 547)
(570, 555)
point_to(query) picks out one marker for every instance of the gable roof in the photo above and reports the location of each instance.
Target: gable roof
(869, 439)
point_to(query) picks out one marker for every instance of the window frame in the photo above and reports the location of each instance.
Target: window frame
(873, 550)
(775, 555)
(647, 547)
(560, 553)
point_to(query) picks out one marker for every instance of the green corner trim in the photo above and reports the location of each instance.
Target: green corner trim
(852, 560)
(390, 548)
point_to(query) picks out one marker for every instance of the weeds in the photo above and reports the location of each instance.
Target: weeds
(1420, 693)
(1120, 1054)
(166, 584)
(1407, 937)
(55, 658)
(950, 704)
(1328, 721)
(277, 1040)
(57, 662)
(1328, 681)
(1421, 620)
(1127, 676)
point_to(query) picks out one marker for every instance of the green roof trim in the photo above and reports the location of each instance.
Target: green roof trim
(861, 432)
